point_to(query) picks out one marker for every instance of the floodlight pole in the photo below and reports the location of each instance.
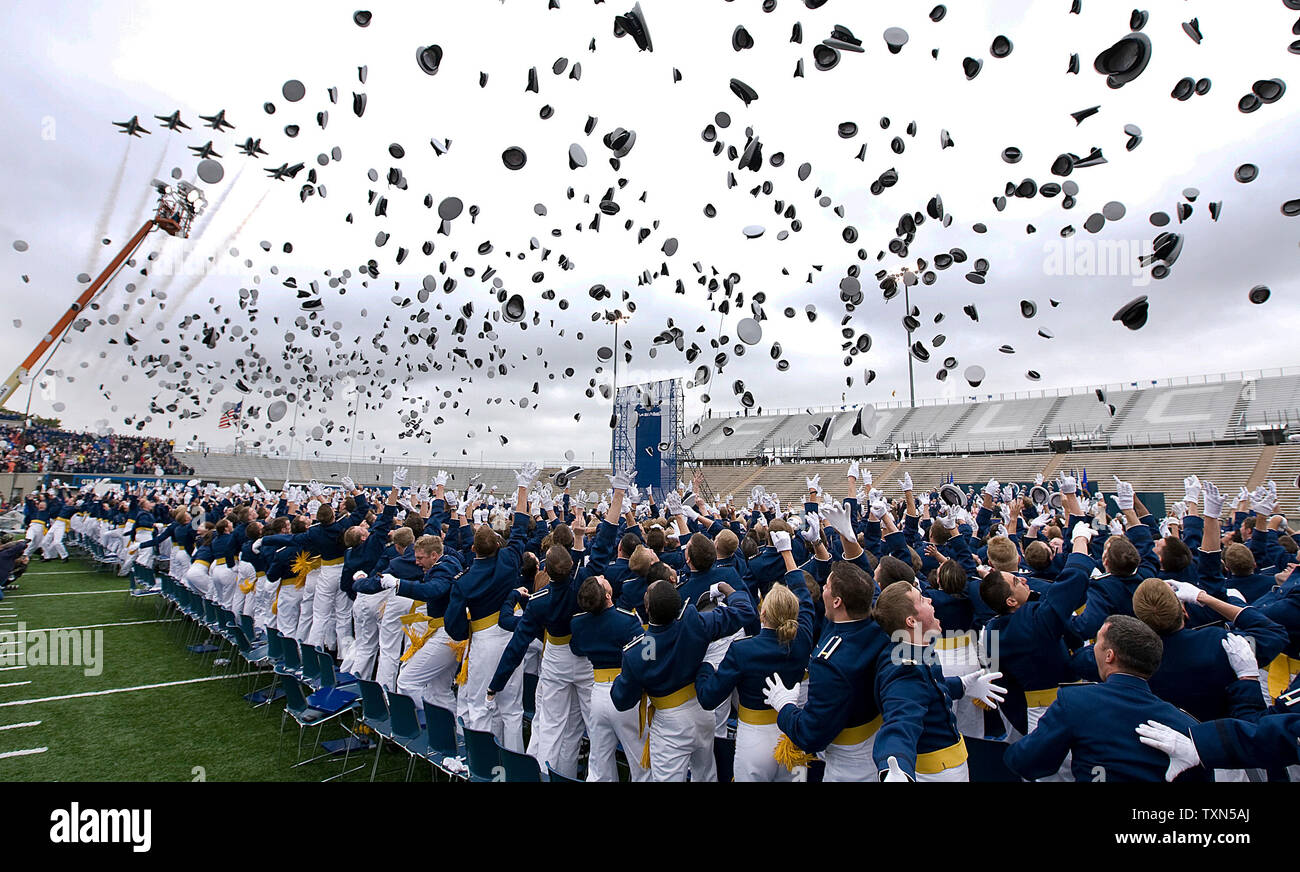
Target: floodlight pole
(352, 433)
(911, 383)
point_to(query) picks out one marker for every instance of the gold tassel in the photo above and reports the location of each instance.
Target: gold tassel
(790, 755)
(981, 705)
(645, 717)
(462, 653)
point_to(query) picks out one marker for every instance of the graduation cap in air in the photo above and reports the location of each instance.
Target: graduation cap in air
(821, 433)
(633, 24)
(1125, 60)
(1038, 494)
(951, 494)
(565, 476)
(862, 423)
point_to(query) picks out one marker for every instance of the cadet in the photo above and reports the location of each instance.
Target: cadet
(1095, 723)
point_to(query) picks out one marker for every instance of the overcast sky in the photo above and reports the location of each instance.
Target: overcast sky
(72, 180)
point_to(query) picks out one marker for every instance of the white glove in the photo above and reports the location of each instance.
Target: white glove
(780, 540)
(1180, 510)
(1116, 527)
(777, 695)
(1191, 489)
(1082, 530)
(1124, 494)
(1213, 500)
(314, 488)
(399, 477)
(1185, 591)
(992, 488)
(1180, 748)
(690, 513)
(548, 501)
(257, 546)
(854, 471)
(838, 517)
(358, 575)
(1008, 493)
(947, 519)
(620, 480)
(906, 484)
(1263, 502)
(981, 686)
(1243, 495)
(673, 503)
(1041, 520)
(388, 581)
(866, 478)
(1068, 484)
(348, 483)
(633, 495)
(894, 772)
(862, 495)
(440, 480)
(1038, 479)
(815, 483)
(878, 510)
(526, 474)
(1241, 656)
(812, 527)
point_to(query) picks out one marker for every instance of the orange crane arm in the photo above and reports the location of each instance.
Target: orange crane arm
(10, 387)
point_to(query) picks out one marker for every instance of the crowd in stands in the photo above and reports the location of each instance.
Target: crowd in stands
(55, 450)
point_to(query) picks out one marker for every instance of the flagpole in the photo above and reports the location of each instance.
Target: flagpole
(292, 430)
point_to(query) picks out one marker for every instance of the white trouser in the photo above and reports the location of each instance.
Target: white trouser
(713, 656)
(288, 607)
(360, 659)
(143, 556)
(392, 638)
(307, 606)
(223, 581)
(563, 708)
(243, 602)
(52, 547)
(681, 740)
(115, 542)
(851, 762)
(199, 580)
(606, 730)
(179, 564)
(957, 773)
(343, 638)
(503, 716)
(755, 744)
(263, 595)
(322, 613)
(956, 662)
(427, 676)
(35, 537)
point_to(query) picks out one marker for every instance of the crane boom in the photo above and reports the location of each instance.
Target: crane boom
(10, 386)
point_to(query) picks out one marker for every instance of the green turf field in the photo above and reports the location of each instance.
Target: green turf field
(196, 727)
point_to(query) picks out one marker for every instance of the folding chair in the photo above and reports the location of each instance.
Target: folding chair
(484, 759)
(305, 715)
(375, 715)
(518, 767)
(440, 726)
(407, 732)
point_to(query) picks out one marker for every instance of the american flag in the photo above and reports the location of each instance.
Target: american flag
(230, 416)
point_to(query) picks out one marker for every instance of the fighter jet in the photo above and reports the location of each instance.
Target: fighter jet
(132, 127)
(204, 151)
(173, 121)
(252, 147)
(284, 171)
(218, 121)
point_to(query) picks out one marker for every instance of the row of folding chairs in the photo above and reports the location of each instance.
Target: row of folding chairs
(315, 695)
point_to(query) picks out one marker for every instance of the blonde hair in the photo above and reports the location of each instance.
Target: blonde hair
(641, 560)
(1003, 555)
(780, 612)
(1156, 605)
